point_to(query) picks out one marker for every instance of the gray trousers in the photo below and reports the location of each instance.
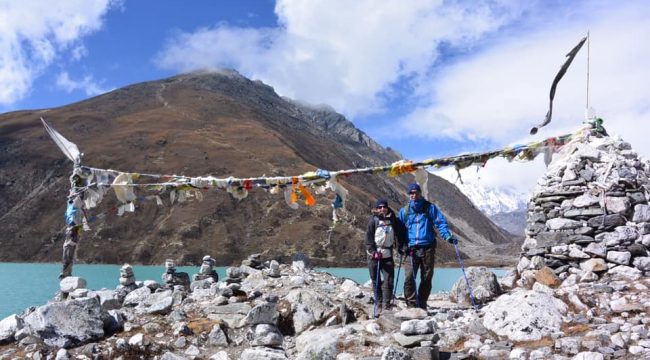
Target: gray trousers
(384, 290)
(69, 248)
(423, 260)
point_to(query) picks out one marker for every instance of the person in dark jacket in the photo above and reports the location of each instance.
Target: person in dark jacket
(419, 218)
(382, 237)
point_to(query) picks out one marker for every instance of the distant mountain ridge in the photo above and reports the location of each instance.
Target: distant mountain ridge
(208, 123)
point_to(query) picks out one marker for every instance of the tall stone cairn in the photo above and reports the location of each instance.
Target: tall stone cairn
(589, 214)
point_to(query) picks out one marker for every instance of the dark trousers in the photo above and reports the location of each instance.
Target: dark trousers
(383, 292)
(423, 260)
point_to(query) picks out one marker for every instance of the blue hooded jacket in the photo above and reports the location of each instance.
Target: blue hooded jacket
(418, 225)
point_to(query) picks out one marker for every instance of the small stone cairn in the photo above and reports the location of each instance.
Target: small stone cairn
(253, 261)
(207, 270)
(172, 278)
(127, 277)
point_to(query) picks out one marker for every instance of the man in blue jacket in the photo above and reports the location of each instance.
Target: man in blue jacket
(419, 217)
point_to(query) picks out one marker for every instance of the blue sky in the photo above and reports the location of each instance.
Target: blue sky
(427, 78)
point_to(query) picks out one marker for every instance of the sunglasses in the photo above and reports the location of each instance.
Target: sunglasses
(413, 193)
(381, 207)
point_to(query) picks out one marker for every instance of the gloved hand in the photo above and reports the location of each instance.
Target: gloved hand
(452, 240)
(401, 250)
(376, 255)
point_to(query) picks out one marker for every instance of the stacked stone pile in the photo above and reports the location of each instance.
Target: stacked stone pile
(589, 215)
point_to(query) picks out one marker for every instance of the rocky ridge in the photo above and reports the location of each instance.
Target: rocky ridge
(208, 123)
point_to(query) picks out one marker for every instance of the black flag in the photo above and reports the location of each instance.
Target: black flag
(558, 77)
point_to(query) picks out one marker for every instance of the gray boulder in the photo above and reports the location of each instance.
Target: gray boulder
(265, 313)
(320, 343)
(308, 307)
(108, 299)
(217, 337)
(136, 296)
(69, 323)
(480, 278)
(156, 303)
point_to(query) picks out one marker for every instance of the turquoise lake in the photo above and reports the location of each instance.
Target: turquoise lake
(24, 285)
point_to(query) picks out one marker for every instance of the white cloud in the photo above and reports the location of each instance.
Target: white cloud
(345, 54)
(499, 93)
(32, 37)
(508, 84)
(87, 84)
(476, 72)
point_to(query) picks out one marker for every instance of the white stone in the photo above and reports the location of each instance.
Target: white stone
(637, 350)
(220, 355)
(593, 265)
(417, 327)
(589, 355)
(585, 200)
(641, 213)
(518, 354)
(596, 249)
(524, 315)
(617, 340)
(373, 328)
(217, 337)
(542, 288)
(72, 283)
(575, 252)
(645, 240)
(588, 276)
(625, 272)
(642, 263)
(266, 335)
(563, 224)
(138, 340)
(192, 351)
(560, 249)
(523, 264)
(9, 326)
(617, 205)
(62, 354)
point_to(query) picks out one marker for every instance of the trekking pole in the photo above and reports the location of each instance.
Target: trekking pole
(462, 268)
(401, 259)
(415, 285)
(374, 310)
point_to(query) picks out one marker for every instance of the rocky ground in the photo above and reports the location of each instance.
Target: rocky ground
(278, 311)
(579, 291)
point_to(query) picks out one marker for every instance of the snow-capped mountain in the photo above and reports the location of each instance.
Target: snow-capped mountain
(490, 200)
(504, 205)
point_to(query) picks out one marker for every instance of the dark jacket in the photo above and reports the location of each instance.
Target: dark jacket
(397, 227)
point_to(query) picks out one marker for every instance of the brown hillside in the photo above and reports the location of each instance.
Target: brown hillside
(218, 124)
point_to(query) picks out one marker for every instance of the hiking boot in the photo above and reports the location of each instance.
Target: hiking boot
(377, 310)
